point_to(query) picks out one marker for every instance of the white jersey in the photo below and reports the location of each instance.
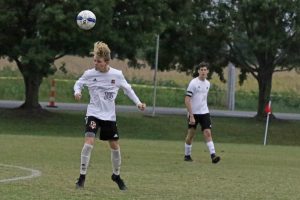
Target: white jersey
(103, 90)
(198, 91)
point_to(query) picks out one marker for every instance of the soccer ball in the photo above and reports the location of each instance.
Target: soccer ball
(86, 20)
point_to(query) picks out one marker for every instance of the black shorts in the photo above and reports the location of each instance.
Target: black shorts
(203, 120)
(108, 129)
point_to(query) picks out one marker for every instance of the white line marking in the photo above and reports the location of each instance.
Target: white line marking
(34, 173)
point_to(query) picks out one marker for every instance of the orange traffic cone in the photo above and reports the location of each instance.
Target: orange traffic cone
(52, 95)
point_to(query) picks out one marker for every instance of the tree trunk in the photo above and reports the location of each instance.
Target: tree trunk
(32, 86)
(265, 85)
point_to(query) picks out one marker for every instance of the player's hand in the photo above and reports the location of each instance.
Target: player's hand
(77, 96)
(192, 120)
(141, 106)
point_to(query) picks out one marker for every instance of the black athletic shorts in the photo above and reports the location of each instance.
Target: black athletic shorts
(108, 129)
(203, 120)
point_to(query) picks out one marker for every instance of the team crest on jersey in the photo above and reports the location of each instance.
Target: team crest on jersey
(93, 124)
(108, 95)
(113, 81)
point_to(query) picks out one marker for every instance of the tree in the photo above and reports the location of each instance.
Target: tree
(34, 33)
(135, 24)
(260, 37)
(263, 38)
(186, 38)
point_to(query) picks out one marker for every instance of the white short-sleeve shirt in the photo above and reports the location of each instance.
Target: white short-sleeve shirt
(103, 89)
(198, 91)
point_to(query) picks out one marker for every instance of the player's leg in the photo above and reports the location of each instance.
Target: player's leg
(116, 163)
(206, 128)
(91, 130)
(85, 159)
(189, 140)
(109, 132)
(188, 144)
(115, 156)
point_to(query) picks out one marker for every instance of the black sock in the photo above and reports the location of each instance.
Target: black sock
(82, 176)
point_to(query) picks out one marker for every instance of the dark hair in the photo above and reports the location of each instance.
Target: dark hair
(200, 65)
(203, 64)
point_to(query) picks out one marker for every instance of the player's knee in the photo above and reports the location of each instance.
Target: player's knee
(114, 144)
(207, 133)
(89, 139)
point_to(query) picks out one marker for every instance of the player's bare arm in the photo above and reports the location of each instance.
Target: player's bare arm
(187, 102)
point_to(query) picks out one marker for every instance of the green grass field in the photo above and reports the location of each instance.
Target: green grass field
(152, 170)
(152, 159)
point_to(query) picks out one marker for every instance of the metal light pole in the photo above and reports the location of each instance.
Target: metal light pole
(155, 74)
(231, 87)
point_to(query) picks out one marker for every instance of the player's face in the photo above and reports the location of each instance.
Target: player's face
(203, 71)
(100, 64)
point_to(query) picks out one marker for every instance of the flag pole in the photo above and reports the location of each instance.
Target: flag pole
(268, 111)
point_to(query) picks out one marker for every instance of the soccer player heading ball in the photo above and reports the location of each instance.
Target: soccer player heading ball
(103, 83)
(196, 103)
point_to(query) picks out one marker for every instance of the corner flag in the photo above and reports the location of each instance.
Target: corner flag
(268, 110)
